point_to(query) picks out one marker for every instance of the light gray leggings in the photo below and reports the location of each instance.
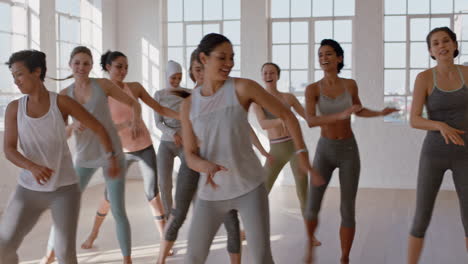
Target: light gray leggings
(23, 211)
(187, 183)
(436, 158)
(167, 152)
(329, 155)
(208, 216)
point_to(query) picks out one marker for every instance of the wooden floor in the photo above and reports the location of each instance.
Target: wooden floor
(383, 219)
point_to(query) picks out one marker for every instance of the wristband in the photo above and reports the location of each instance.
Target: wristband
(301, 150)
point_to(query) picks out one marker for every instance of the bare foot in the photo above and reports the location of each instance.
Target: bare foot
(316, 242)
(89, 242)
(171, 253)
(47, 259)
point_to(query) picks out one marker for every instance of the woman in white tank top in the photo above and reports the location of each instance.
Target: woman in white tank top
(217, 144)
(47, 179)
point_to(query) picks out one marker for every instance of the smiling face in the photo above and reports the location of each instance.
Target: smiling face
(270, 74)
(24, 79)
(118, 69)
(328, 59)
(175, 79)
(219, 63)
(442, 47)
(81, 65)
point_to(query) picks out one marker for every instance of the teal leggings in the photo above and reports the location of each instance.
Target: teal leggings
(116, 194)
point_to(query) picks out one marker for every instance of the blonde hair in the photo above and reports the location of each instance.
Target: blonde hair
(76, 50)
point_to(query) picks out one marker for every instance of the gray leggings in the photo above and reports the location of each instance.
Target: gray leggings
(329, 155)
(167, 151)
(23, 211)
(208, 216)
(187, 182)
(436, 158)
(146, 159)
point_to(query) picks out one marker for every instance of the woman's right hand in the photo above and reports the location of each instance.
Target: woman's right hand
(42, 174)
(212, 169)
(349, 111)
(451, 134)
(114, 167)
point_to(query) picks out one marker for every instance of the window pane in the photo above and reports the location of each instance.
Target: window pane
(318, 75)
(19, 43)
(280, 55)
(300, 8)
(344, 7)
(62, 6)
(193, 10)
(279, 8)
(5, 47)
(419, 28)
(343, 31)
(419, 58)
(299, 56)
(5, 16)
(395, 55)
(174, 34)
(396, 102)
(413, 74)
(395, 82)
(232, 9)
(299, 32)
(65, 50)
(176, 54)
(395, 28)
(19, 20)
(317, 61)
(395, 7)
(461, 5)
(323, 30)
(283, 82)
(237, 57)
(418, 6)
(194, 34)
(440, 22)
(232, 31)
(409, 101)
(347, 48)
(210, 28)
(212, 9)
(235, 74)
(35, 29)
(322, 8)
(298, 81)
(346, 74)
(69, 29)
(174, 10)
(441, 6)
(280, 32)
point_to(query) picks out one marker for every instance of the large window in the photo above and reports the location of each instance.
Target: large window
(190, 20)
(297, 28)
(406, 24)
(19, 29)
(79, 22)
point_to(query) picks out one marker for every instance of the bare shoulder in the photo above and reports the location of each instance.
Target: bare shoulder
(12, 106)
(289, 98)
(463, 69)
(312, 89)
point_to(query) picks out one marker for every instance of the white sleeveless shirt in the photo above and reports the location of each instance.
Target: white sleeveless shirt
(43, 141)
(221, 126)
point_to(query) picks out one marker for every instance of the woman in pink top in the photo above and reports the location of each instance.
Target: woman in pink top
(136, 148)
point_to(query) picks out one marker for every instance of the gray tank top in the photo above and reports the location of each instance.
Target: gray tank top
(221, 126)
(327, 105)
(450, 107)
(89, 151)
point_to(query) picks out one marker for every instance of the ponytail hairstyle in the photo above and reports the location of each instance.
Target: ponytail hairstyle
(108, 57)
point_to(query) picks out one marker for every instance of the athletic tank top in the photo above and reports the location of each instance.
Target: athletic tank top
(89, 151)
(43, 141)
(221, 126)
(450, 107)
(122, 113)
(327, 105)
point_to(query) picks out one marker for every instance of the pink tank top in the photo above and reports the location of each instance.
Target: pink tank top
(122, 113)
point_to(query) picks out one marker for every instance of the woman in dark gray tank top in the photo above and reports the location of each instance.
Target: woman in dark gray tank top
(336, 100)
(444, 92)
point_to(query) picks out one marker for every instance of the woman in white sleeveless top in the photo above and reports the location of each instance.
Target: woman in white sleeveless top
(47, 179)
(216, 143)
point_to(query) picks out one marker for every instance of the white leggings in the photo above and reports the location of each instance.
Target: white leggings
(209, 215)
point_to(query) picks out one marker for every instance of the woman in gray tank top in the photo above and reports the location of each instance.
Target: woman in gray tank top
(93, 94)
(217, 144)
(335, 99)
(444, 92)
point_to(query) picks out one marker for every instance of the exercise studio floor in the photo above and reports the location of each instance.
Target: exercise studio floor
(383, 218)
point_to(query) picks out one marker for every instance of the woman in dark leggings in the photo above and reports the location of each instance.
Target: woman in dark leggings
(444, 92)
(336, 99)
